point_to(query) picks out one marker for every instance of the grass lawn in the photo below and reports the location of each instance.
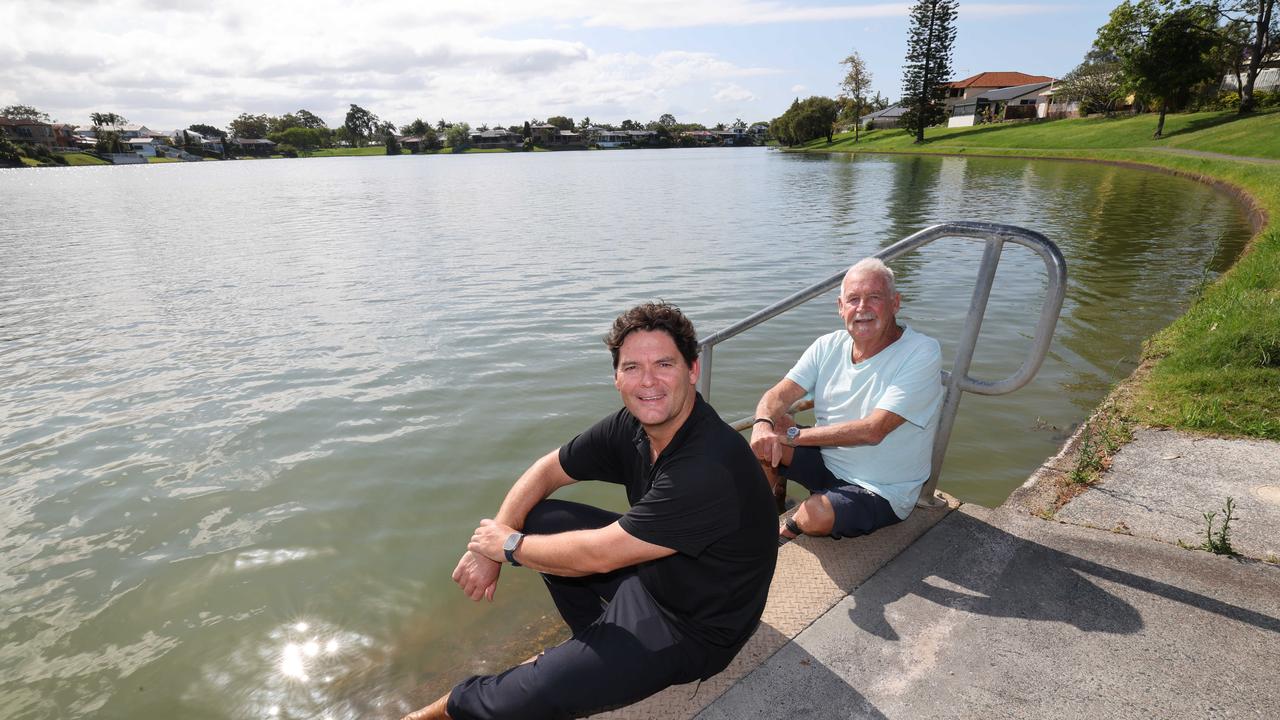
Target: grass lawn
(1223, 132)
(348, 152)
(76, 159)
(1216, 369)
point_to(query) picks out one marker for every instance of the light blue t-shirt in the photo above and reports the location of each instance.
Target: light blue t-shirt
(905, 379)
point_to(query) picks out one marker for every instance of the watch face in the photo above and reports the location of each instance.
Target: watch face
(513, 541)
(793, 433)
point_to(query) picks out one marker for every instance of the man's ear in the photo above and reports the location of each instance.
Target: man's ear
(695, 370)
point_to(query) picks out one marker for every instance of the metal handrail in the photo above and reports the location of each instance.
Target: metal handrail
(957, 381)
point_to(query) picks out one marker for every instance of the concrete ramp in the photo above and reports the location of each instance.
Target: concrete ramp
(813, 575)
(999, 614)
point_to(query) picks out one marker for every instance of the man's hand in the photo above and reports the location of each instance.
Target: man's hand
(766, 441)
(489, 538)
(477, 575)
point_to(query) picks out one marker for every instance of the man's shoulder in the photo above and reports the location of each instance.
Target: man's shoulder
(831, 342)
(914, 341)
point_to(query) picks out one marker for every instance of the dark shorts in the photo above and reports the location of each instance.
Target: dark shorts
(623, 648)
(858, 510)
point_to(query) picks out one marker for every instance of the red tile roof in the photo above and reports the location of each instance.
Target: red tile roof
(998, 80)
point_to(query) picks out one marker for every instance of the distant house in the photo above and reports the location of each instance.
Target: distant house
(968, 89)
(890, 117)
(735, 137)
(610, 138)
(29, 131)
(1268, 79)
(414, 143)
(496, 138)
(641, 137)
(124, 131)
(569, 137)
(700, 137)
(759, 131)
(1058, 104)
(1020, 102)
(64, 135)
(146, 147)
(258, 147)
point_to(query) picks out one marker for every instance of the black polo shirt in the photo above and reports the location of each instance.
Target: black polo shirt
(706, 498)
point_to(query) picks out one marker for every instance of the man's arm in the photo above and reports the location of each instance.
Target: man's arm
(568, 554)
(869, 430)
(477, 574)
(774, 404)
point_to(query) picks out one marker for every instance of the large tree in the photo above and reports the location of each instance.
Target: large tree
(422, 129)
(459, 136)
(561, 122)
(1252, 27)
(24, 112)
(360, 124)
(805, 120)
(1095, 83)
(207, 131)
(309, 120)
(250, 126)
(1162, 55)
(928, 65)
(106, 131)
(854, 87)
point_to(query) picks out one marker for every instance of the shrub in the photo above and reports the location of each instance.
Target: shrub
(287, 150)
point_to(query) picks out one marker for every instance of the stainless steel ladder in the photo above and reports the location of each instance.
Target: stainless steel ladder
(957, 381)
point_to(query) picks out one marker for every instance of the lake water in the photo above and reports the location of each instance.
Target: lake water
(250, 411)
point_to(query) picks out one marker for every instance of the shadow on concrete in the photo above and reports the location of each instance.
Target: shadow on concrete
(799, 686)
(970, 565)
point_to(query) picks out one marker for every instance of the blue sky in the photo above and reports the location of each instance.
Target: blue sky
(170, 63)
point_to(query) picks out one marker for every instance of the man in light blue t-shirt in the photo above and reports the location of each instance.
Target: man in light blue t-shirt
(877, 391)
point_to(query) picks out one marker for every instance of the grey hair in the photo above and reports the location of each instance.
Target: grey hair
(872, 265)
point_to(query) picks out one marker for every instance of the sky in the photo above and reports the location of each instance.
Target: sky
(170, 63)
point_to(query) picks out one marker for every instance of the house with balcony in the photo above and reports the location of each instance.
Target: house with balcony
(30, 132)
(961, 92)
(495, 138)
(1020, 102)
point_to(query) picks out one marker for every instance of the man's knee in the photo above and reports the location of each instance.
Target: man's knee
(557, 516)
(815, 515)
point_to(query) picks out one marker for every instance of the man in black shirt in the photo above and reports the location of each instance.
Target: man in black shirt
(666, 593)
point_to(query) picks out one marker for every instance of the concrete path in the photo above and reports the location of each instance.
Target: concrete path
(999, 613)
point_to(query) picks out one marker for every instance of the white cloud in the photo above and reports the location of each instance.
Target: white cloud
(733, 93)
(167, 62)
(798, 89)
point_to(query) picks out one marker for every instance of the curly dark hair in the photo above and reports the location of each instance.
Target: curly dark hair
(654, 316)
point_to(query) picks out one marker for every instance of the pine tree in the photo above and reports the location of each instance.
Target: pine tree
(928, 66)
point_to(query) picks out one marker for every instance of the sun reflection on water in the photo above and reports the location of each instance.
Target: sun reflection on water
(302, 668)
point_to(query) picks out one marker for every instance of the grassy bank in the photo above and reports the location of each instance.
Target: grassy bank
(1221, 132)
(1216, 369)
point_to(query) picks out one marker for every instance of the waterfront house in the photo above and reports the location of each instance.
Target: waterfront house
(257, 147)
(31, 132)
(1020, 102)
(610, 138)
(146, 147)
(495, 138)
(759, 131)
(641, 137)
(699, 137)
(125, 132)
(967, 90)
(1268, 79)
(890, 117)
(544, 135)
